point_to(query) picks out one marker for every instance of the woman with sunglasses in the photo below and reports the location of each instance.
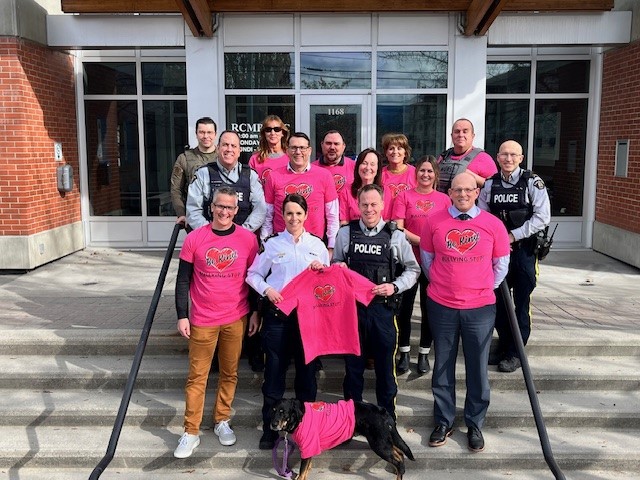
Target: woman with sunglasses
(272, 151)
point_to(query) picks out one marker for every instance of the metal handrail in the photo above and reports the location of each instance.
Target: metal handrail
(528, 379)
(137, 359)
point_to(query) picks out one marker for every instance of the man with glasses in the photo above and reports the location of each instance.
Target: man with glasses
(519, 198)
(188, 162)
(465, 256)
(227, 170)
(214, 261)
(464, 157)
(315, 184)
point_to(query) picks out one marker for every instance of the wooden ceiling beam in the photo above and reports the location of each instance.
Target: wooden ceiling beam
(303, 6)
(490, 17)
(475, 13)
(197, 16)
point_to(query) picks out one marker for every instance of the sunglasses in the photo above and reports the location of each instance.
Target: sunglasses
(272, 129)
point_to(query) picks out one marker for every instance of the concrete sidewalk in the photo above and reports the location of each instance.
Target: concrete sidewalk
(112, 289)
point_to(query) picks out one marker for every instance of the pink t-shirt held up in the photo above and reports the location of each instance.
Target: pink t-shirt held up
(327, 313)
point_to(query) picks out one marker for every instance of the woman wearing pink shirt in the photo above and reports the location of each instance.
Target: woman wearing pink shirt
(366, 171)
(272, 151)
(398, 175)
(410, 210)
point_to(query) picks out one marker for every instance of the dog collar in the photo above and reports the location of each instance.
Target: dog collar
(282, 468)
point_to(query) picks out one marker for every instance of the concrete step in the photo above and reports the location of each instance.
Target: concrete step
(544, 341)
(151, 448)
(161, 408)
(331, 473)
(163, 371)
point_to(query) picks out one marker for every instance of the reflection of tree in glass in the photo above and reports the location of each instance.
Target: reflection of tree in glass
(323, 83)
(422, 69)
(259, 70)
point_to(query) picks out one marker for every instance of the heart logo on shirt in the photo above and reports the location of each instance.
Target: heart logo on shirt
(220, 259)
(461, 241)
(396, 189)
(265, 174)
(324, 293)
(303, 189)
(340, 181)
(424, 205)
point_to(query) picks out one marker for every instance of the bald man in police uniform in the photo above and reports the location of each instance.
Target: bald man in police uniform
(520, 199)
(371, 247)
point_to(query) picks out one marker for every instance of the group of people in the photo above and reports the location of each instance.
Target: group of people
(393, 225)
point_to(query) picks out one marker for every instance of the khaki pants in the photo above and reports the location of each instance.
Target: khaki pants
(202, 345)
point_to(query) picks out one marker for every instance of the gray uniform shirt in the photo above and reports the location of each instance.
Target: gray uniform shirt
(201, 187)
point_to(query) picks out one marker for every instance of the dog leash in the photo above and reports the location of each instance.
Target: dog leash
(282, 468)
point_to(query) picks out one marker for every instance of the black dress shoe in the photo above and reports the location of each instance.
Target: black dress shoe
(509, 364)
(496, 357)
(423, 363)
(476, 440)
(439, 435)
(402, 366)
(268, 440)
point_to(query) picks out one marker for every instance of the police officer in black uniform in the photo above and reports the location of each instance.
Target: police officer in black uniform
(376, 250)
(227, 170)
(520, 199)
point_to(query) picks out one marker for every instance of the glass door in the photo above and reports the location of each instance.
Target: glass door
(348, 114)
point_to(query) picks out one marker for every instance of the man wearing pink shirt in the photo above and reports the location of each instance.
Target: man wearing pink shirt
(214, 260)
(333, 159)
(465, 256)
(464, 157)
(314, 183)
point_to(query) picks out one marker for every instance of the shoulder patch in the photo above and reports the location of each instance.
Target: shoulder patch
(270, 236)
(538, 183)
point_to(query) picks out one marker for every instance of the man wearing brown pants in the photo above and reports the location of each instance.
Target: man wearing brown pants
(213, 266)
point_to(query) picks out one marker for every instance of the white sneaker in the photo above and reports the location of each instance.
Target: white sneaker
(224, 433)
(186, 445)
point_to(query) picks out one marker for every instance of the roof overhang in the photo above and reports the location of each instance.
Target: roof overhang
(198, 14)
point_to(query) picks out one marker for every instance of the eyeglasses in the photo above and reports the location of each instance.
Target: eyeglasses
(272, 129)
(512, 155)
(298, 149)
(458, 191)
(228, 208)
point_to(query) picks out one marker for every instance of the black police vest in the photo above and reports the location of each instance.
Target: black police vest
(370, 256)
(450, 168)
(510, 204)
(242, 187)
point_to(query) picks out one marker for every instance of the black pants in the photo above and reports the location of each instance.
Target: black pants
(378, 334)
(406, 310)
(280, 342)
(521, 279)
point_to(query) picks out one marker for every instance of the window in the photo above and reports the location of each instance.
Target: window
(420, 117)
(559, 109)
(115, 145)
(412, 69)
(335, 70)
(259, 70)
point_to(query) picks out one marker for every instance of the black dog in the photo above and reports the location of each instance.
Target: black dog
(350, 418)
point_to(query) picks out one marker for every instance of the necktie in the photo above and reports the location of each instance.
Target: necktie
(464, 216)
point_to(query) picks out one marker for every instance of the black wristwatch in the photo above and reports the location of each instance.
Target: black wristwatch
(395, 289)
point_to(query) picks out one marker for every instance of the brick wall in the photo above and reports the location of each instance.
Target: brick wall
(617, 198)
(37, 108)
